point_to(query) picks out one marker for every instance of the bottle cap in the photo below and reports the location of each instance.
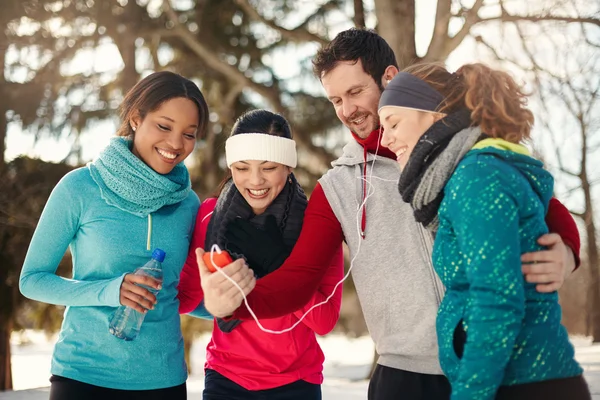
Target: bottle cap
(158, 255)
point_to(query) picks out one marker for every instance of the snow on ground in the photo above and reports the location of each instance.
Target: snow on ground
(347, 362)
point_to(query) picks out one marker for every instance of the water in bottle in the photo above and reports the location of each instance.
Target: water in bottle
(126, 322)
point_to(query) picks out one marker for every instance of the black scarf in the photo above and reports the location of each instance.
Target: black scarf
(288, 209)
(429, 147)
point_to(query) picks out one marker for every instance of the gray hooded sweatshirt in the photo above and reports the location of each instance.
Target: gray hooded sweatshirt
(392, 270)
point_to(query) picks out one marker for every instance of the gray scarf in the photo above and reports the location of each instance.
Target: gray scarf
(432, 162)
(437, 175)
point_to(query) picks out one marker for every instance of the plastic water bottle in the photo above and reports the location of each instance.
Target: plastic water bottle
(126, 322)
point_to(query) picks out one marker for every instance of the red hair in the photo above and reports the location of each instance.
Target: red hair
(497, 103)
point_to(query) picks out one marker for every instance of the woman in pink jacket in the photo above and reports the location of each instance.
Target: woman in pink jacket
(244, 362)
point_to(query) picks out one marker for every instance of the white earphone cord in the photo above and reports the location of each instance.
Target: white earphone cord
(370, 192)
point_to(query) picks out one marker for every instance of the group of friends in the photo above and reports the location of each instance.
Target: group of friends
(456, 242)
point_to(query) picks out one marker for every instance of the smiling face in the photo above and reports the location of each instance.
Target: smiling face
(402, 129)
(354, 95)
(259, 182)
(167, 135)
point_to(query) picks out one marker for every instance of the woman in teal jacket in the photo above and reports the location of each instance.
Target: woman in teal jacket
(457, 139)
(111, 214)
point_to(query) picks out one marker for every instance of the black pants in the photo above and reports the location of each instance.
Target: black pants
(218, 387)
(556, 389)
(395, 384)
(69, 389)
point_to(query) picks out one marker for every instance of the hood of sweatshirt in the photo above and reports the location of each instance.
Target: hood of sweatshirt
(361, 151)
(518, 156)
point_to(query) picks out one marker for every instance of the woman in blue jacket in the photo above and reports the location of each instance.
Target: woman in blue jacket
(457, 139)
(111, 214)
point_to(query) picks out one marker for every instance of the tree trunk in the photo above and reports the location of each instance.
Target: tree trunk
(125, 42)
(3, 106)
(3, 134)
(209, 167)
(359, 14)
(396, 24)
(5, 368)
(590, 227)
(129, 76)
(593, 262)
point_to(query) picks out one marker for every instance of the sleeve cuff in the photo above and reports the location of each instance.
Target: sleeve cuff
(201, 312)
(111, 295)
(575, 253)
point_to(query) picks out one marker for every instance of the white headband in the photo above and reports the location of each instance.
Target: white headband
(260, 146)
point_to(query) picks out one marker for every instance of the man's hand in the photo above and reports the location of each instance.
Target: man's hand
(221, 297)
(548, 268)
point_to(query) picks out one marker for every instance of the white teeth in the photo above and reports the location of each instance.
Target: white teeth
(260, 192)
(170, 156)
(400, 152)
(359, 121)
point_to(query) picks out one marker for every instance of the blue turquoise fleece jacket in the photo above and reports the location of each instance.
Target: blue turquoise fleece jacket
(493, 211)
(106, 243)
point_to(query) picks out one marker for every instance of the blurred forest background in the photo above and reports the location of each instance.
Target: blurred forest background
(67, 63)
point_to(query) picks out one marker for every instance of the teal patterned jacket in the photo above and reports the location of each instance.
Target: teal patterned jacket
(493, 211)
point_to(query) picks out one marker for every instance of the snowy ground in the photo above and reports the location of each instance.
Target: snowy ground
(347, 363)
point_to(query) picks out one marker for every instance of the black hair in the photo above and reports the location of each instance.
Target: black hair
(262, 121)
(363, 45)
(155, 89)
(257, 121)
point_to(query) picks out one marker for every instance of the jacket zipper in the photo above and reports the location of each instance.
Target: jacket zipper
(149, 240)
(427, 240)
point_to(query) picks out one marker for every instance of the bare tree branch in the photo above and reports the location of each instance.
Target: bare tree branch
(570, 173)
(327, 6)
(479, 39)
(213, 61)
(444, 45)
(440, 29)
(297, 35)
(226, 111)
(589, 41)
(505, 17)
(237, 78)
(553, 139)
(153, 48)
(536, 67)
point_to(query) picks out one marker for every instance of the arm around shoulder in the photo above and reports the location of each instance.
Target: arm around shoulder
(560, 221)
(292, 285)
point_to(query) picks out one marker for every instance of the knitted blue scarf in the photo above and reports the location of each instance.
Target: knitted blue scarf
(127, 183)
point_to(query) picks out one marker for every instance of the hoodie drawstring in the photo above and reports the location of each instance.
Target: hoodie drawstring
(363, 222)
(149, 239)
(371, 144)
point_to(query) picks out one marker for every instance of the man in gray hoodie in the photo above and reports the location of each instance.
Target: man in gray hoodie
(357, 201)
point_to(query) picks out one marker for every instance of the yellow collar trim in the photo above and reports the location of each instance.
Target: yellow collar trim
(502, 145)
